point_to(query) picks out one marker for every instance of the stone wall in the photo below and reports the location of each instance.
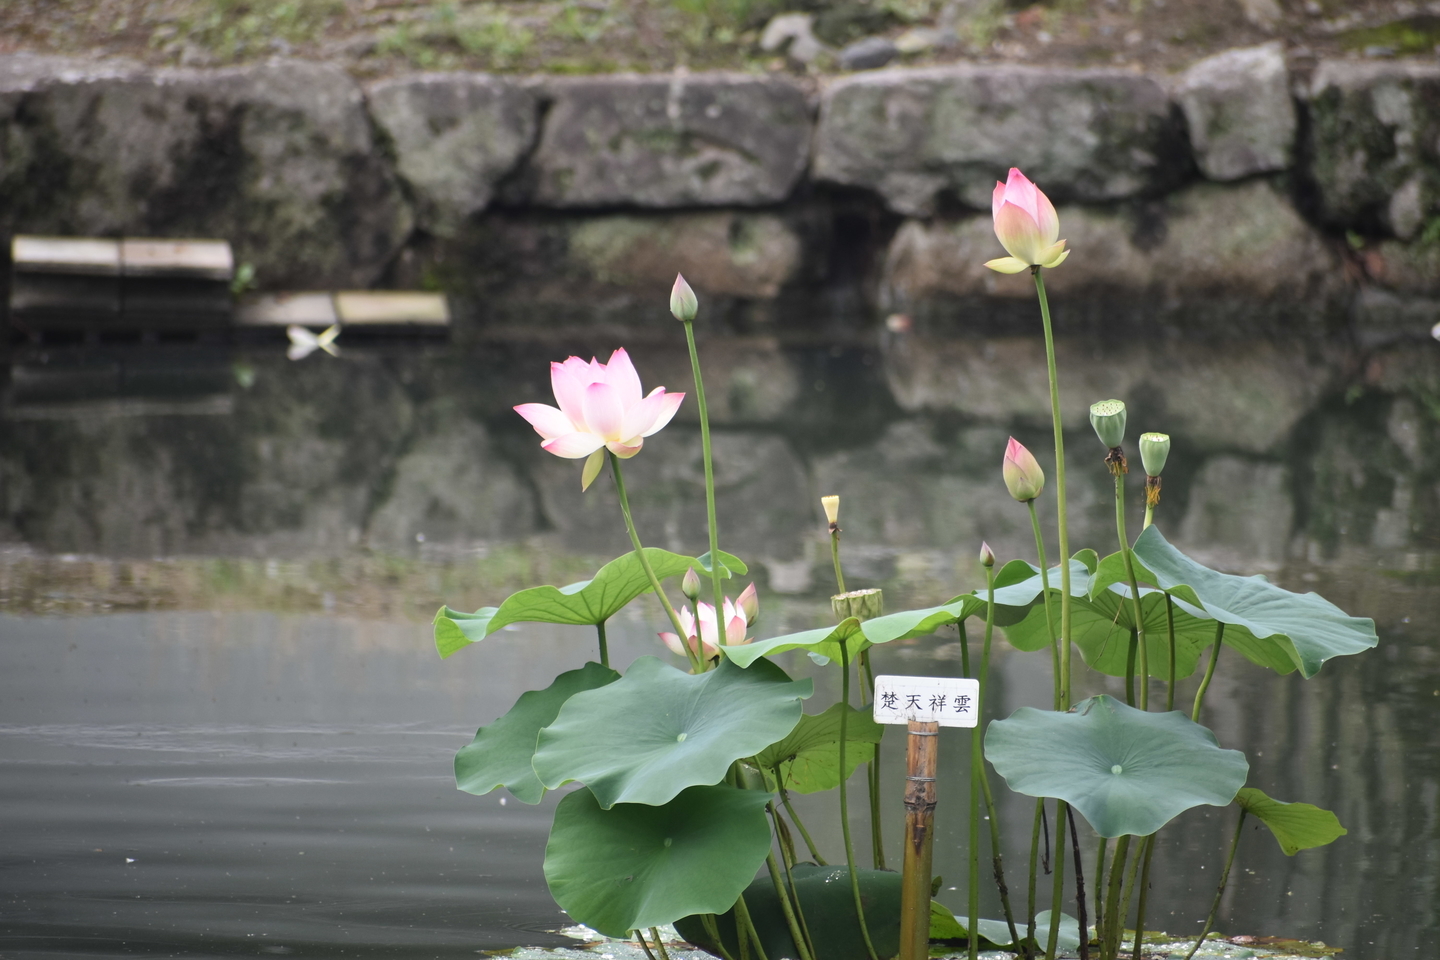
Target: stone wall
(1243, 195)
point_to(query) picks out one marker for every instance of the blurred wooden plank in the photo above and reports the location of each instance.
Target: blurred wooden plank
(192, 259)
(307, 308)
(359, 307)
(91, 256)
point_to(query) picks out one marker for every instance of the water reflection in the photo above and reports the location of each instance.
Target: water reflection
(350, 497)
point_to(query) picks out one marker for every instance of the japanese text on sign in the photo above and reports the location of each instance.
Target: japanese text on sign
(948, 701)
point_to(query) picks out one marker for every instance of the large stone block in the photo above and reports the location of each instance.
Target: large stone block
(1211, 259)
(455, 135)
(1374, 144)
(1239, 111)
(643, 141)
(278, 158)
(910, 135)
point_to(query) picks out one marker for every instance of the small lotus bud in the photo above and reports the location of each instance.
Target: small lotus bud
(1154, 451)
(832, 509)
(749, 604)
(682, 300)
(1023, 476)
(1108, 419)
(987, 556)
(690, 584)
(862, 604)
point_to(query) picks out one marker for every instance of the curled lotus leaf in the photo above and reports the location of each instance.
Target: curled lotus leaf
(808, 758)
(658, 730)
(1296, 826)
(1127, 771)
(633, 866)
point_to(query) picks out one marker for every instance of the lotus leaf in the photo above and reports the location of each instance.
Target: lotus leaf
(828, 904)
(657, 730)
(1018, 586)
(1126, 770)
(636, 866)
(822, 643)
(500, 754)
(1296, 826)
(1288, 630)
(944, 925)
(809, 757)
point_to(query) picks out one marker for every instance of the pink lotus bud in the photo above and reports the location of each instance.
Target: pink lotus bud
(987, 556)
(690, 584)
(735, 625)
(682, 300)
(1026, 225)
(749, 604)
(1023, 476)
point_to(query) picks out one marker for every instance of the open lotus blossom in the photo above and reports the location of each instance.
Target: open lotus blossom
(1027, 225)
(601, 408)
(737, 621)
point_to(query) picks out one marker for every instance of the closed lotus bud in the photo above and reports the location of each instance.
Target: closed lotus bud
(987, 556)
(1154, 451)
(832, 509)
(1108, 419)
(749, 604)
(1023, 476)
(690, 584)
(682, 300)
(861, 604)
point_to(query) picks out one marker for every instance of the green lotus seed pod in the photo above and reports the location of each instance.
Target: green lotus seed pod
(1108, 419)
(1154, 450)
(862, 604)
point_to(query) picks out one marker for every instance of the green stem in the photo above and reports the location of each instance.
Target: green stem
(604, 649)
(844, 804)
(1100, 887)
(1134, 591)
(790, 877)
(782, 833)
(1034, 867)
(799, 824)
(745, 928)
(1130, 872)
(1209, 672)
(1114, 923)
(1057, 893)
(1055, 666)
(1220, 890)
(659, 944)
(644, 560)
(787, 908)
(1149, 515)
(1170, 632)
(709, 476)
(1059, 489)
(835, 557)
(976, 771)
(872, 772)
(1144, 895)
(979, 759)
(1130, 668)
(707, 920)
(643, 945)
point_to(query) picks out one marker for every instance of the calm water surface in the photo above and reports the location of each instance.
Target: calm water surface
(224, 730)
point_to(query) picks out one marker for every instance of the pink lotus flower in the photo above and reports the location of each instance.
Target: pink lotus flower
(1023, 476)
(601, 409)
(737, 619)
(1027, 226)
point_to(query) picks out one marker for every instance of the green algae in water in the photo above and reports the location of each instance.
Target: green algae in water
(1409, 36)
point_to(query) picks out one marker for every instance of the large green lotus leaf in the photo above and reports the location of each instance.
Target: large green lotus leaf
(823, 643)
(809, 757)
(585, 603)
(906, 624)
(658, 730)
(828, 904)
(500, 754)
(1128, 771)
(1018, 586)
(1100, 626)
(1296, 826)
(634, 866)
(1300, 630)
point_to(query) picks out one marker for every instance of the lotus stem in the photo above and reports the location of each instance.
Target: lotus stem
(799, 824)
(1079, 888)
(787, 908)
(835, 557)
(872, 775)
(1130, 669)
(976, 765)
(695, 659)
(1134, 586)
(1100, 888)
(1034, 864)
(1209, 672)
(1063, 529)
(1057, 893)
(1114, 920)
(745, 929)
(1130, 871)
(782, 833)
(1058, 672)
(604, 648)
(790, 878)
(714, 529)
(643, 945)
(1170, 632)
(707, 920)
(844, 804)
(979, 760)
(659, 944)
(1144, 895)
(1220, 890)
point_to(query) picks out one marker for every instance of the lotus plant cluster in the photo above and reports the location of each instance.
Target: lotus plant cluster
(688, 765)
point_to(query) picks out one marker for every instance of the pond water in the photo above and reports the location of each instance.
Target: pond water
(224, 730)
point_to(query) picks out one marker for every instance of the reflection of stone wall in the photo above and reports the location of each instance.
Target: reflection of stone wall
(1238, 196)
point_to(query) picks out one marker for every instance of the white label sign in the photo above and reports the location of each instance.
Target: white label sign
(948, 701)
